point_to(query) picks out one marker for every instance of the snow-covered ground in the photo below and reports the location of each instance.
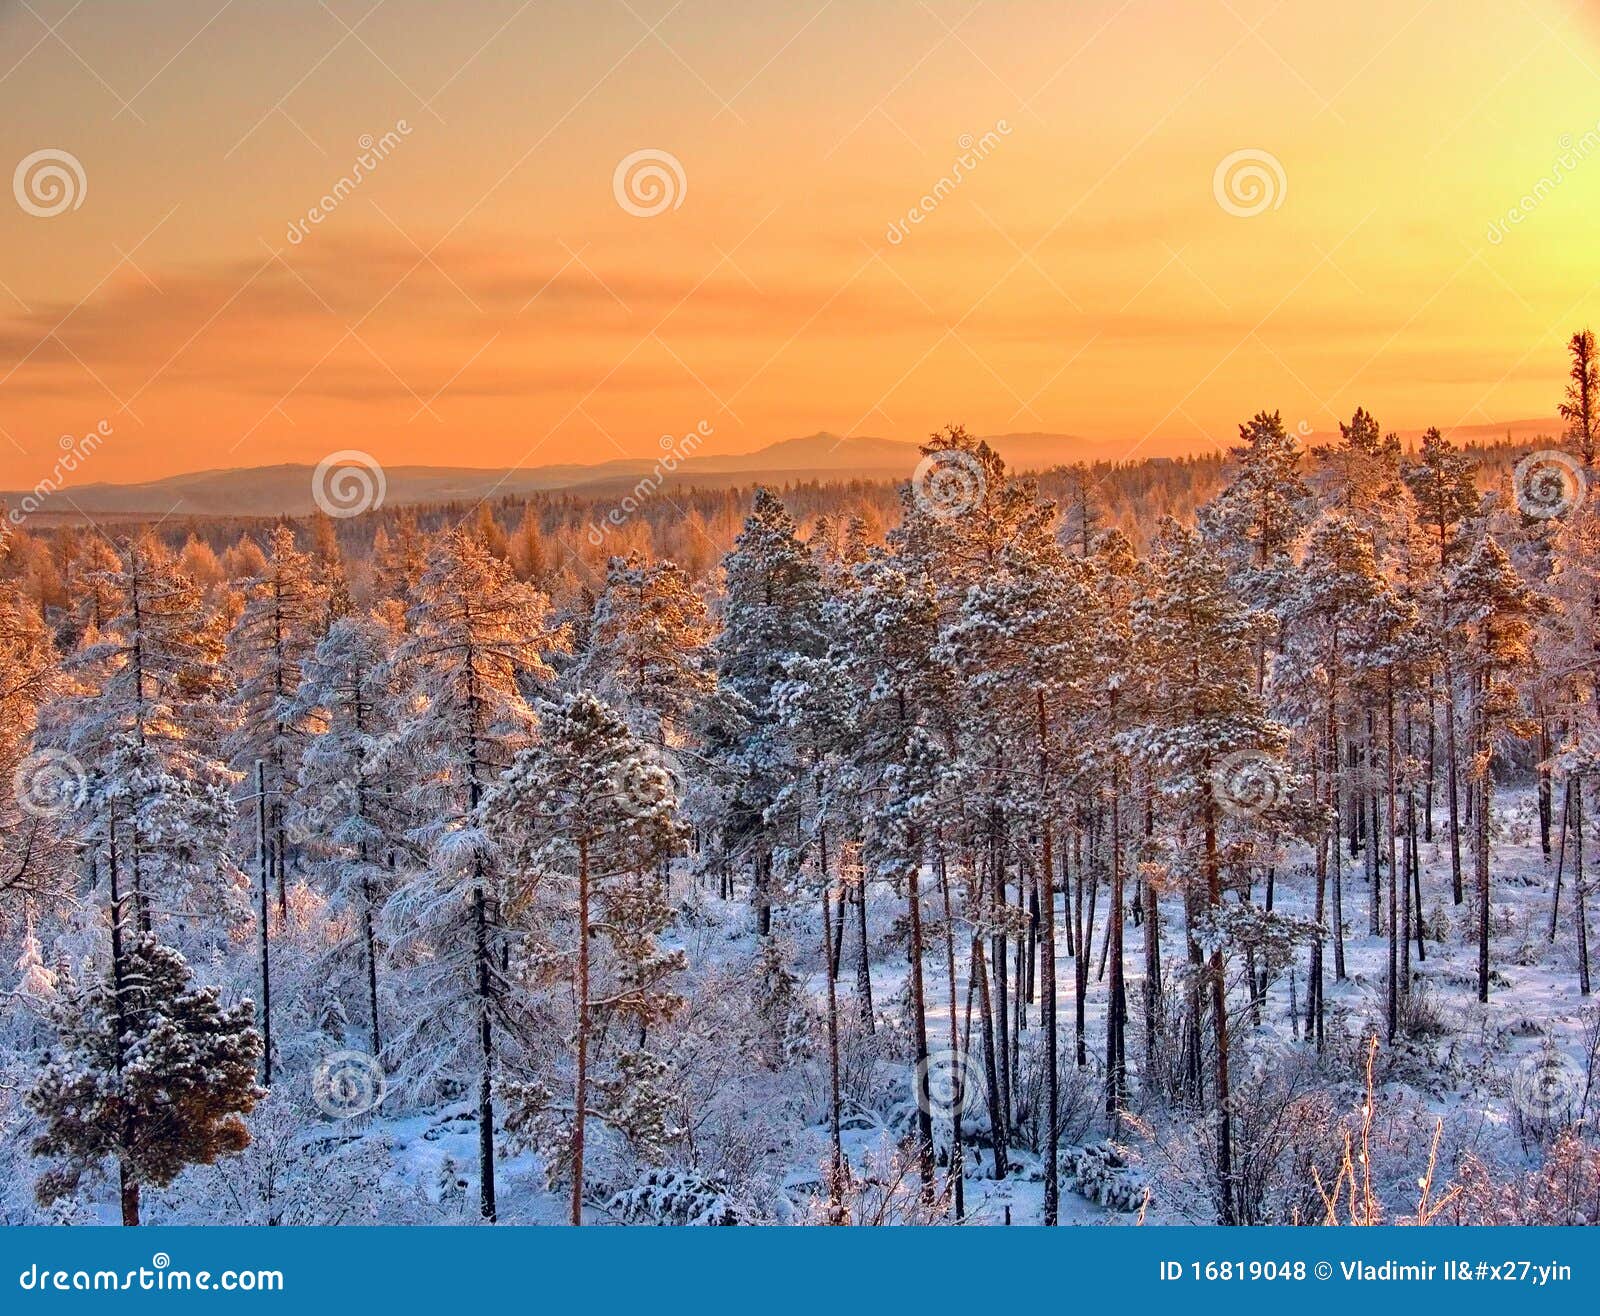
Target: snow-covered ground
(757, 1140)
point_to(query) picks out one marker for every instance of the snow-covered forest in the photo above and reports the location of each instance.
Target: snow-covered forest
(983, 850)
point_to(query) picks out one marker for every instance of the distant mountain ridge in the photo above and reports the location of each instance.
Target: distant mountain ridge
(286, 490)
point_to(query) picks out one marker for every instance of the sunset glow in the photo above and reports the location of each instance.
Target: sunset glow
(477, 296)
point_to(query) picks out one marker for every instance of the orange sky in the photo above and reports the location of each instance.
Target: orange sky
(481, 297)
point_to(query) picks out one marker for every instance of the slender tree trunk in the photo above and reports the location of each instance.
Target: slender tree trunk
(920, 1024)
(480, 922)
(1336, 857)
(763, 893)
(1117, 1008)
(128, 1186)
(1002, 1028)
(1579, 912)
(830, 963)
(1067, 912)
(1152, 977)
(991, 1060)
(368, 903)
(1452, 786)
(129, 1193)
(1545, 809)
(580, 1100)
(1022, 956)
(1433, 763)
(838, 931)
(1369, 798)
(1033, 917)
(1088, 903)
(958, 1054)
(1398, 931)
(262, 863)
(1416, 904)
(1561, 857)
(1481, 856)
(278, 847)
(1329, 838)
(1408, 861)
(1219, 1011)
(1047, 984)
(863, 960)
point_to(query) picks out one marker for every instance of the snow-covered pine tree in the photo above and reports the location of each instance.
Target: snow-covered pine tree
(477, 645)
(345, 810)
(771, 614)
(284, 611)
(816, 716)
(142, 718)
(1391, 661)
(1339, 584)
(960, 516)
(903, 817)
(647, 648)
(1443, 484)
(1581, 406)
(579, 823)
(1497, 610)
(1258, 518)
(152, 1072)
(1029, 684)
(1116, 582)
(96, 601)
(34, 865)
(1357, 476)
(330, 571)
(1443, 481)
(399, 556)
(1197, 711)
